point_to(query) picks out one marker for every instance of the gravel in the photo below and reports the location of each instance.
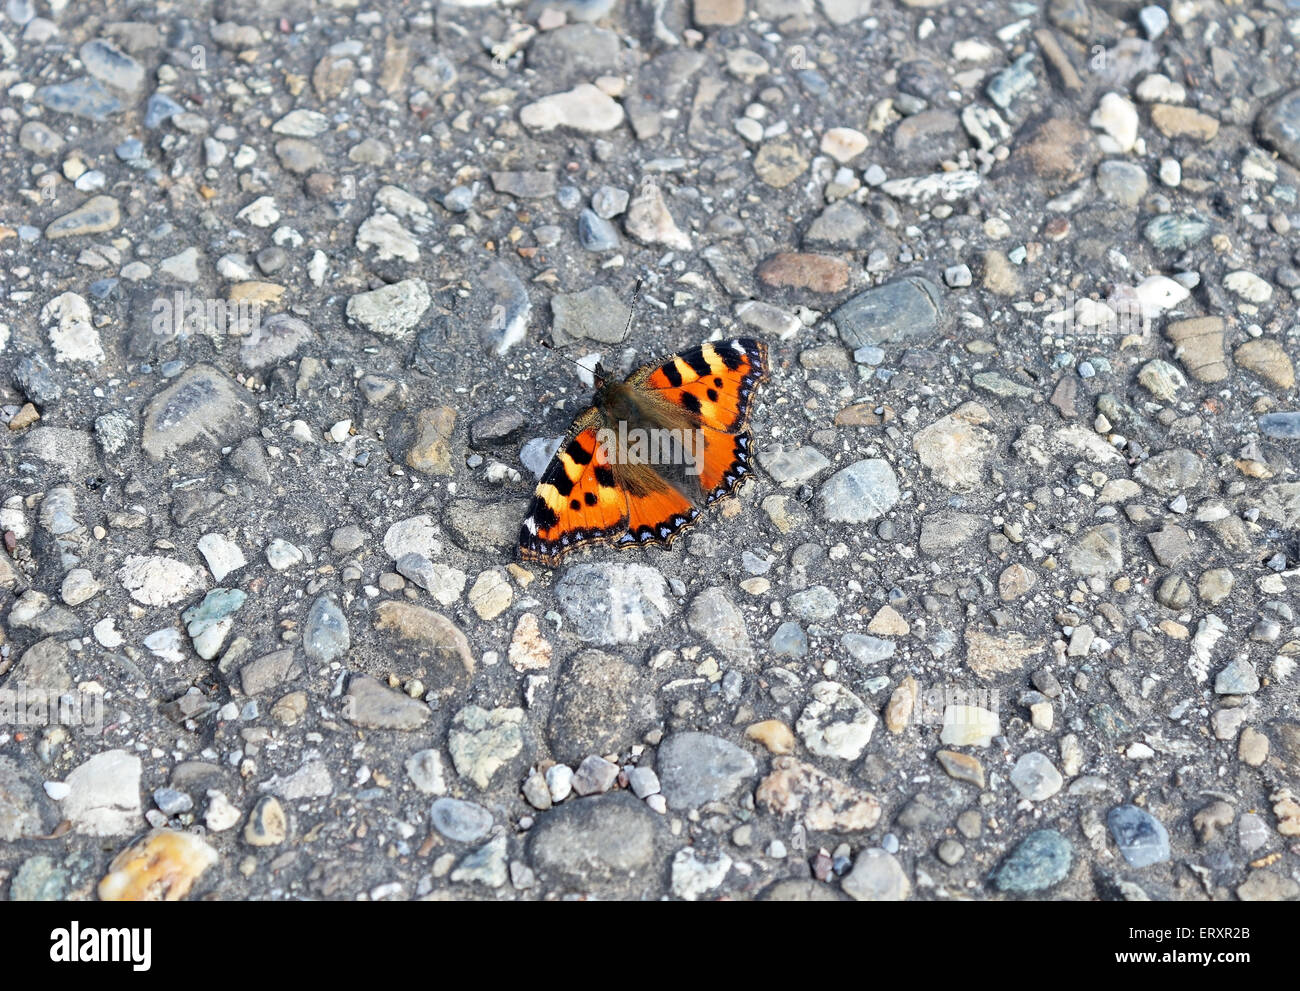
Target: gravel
(1006, 608)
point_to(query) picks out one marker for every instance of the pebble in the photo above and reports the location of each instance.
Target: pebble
(1283, 426)
(843, 143)
(460, 821)
(602, 844)
(866, 649)
(424, 768)
(1118, 119)
(84, 97)
(370, 705)
(774, 735)
(1248, 286)
(1170, 545)
(1042, 859)
(103, 794)
(157, 580)
(1269, 360)
(1035, 778)
(585, 108)
(1176, 232)
(956, 447)
(909, 310)
(110, 65)
(559, 779)
(163, 866)
(392, 311)
(1154, 20)
(326, 635)
(1252, 832)
(608, 202)
(595, 314)
(210, 621)
(1279, 127)
(693, 877)
(39, 139)
(1238, 678)
(482, 741)
(812, 272)
(97, 215)
(789, 640)
(1183, 122)
(860, 493)
(1162, 380)
(697, 768)
(1141, 838)
(79, 585)
(650, 222)
(1252, 747)
(268, 824)
(1198, 344)
(201, 409)
(595, 233)
(779, 162)
(789, 468)
(613, 603)
(486, 865)
(962, 767)
(529, 650)
(1124, 182)
(643, 782)
(836, 723)
(1170, 472)
(594, 776)
(969, 726)
(1012, 82)
(877, 876)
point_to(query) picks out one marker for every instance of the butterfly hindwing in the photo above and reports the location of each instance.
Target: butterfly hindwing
(715, 381)
(726, 463)
(577, 501)
(656, 516)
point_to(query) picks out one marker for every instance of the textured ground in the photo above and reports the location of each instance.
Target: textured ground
(1008, 608)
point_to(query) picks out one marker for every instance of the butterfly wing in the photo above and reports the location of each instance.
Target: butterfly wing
(714, 382)
(578, 500)
(657, 513)
(725, 463)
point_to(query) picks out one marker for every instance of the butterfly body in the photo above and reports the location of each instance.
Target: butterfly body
(651, 452)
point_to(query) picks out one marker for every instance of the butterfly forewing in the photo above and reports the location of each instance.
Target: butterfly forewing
(715, 381)
(577, 501)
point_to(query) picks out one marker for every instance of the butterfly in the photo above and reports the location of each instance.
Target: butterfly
(653, 450)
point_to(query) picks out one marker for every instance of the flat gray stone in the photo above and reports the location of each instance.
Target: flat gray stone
(908, 310)
(202, 409)
(603, 845)
(370, 705)
(695, 768)
(603, 705)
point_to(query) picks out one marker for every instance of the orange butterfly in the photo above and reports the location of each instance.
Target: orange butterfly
(639, 464)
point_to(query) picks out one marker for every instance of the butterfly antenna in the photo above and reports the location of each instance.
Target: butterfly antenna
(631, 312)
(596, 376)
